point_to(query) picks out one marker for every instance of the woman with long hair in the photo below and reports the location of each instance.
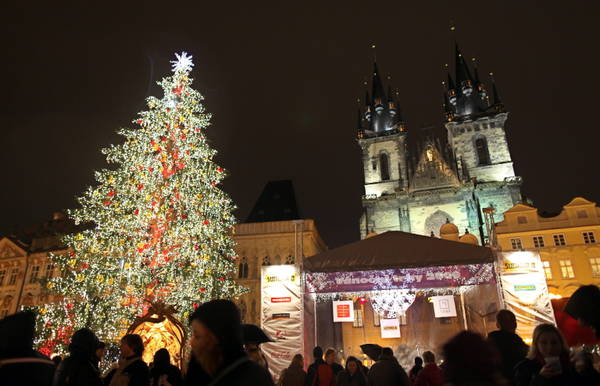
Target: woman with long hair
(352, 375)
(294, 375)
(547, 362)
(162, 372)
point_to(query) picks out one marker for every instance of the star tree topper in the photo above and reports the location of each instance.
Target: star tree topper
(183, 63)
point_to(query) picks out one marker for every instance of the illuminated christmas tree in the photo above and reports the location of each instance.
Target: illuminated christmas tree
(160, 228)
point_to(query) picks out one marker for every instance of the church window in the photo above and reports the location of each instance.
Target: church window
(589, 238)
(595, 264)
(384, 166)
(483, 155)
(538, 241)
(358, 318)
(547, 270)
(266, 260)
(2, 276)
(559, 239)
(49, 270)
(581, 214)
(522, 220)
(566, 269)
(516, 244)
(243, 271)
(13, 276)
(35, 271)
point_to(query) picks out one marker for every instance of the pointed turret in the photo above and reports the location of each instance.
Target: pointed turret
(378, 92)
(462, 69)
(451, 85)
(495, 96)
(475, 73)
(360, 132)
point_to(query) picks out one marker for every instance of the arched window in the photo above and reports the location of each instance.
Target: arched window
(384, 166)
(243, 271)
(483, 155)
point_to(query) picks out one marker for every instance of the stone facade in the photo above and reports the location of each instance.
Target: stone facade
(568, 243)
(270, 243)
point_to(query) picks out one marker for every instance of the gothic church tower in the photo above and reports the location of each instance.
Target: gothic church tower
(417, 179)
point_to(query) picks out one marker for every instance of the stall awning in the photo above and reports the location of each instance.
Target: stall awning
(396, 249)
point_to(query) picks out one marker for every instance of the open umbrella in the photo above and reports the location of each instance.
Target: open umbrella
(372, 350)
(254, 335)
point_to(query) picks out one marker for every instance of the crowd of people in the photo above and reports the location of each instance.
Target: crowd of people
(219, 356)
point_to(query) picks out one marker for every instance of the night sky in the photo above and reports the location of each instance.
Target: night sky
(282, 83)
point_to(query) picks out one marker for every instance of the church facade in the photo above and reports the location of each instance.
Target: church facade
(417, 179)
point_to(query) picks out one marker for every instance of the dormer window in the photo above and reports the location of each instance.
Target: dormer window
(522, 220)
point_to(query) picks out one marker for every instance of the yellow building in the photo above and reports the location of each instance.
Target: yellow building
(567, 242)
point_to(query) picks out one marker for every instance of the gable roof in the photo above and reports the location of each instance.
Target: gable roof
(579, 201)
(277, 202)
(397, 249)
(521, 208)
(11, 248)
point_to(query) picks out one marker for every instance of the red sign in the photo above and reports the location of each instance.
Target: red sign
(285, 299)
(343, 311)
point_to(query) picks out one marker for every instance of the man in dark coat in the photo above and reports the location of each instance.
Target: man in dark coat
(20, 364)
(387, 371)
(312, 369)
(79, 368)
(218, 346)
(509, 345)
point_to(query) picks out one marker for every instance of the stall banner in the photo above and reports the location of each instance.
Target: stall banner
(525, 290)
(444, 306)
(343, 311)
(390, 328)
(281, 315)
(426, 277)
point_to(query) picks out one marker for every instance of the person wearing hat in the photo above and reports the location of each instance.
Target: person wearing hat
(584, 305)
(253, 336)
(79, 368)
(217, 346)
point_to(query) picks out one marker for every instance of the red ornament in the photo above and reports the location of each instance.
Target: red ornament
(362, 300)
(136, 212)
(141, 168)
(69, 306)
(184, 216)
(177, 91)
(221, 279)
(206, 222)
(187, 152)
(168, 109)
(203, 290)
(196, 247)
(151, 169)
(183, 136)
(163, 138)
(139, 121)
(111, 193)
(140, 186)
(213, 184)
(106, 203)
(220, 170)
(84, 266)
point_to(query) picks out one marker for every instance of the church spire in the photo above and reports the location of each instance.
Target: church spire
(377, 92)
(495, 96)
(462, 69)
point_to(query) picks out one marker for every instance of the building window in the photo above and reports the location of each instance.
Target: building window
(483, 155)
(3, 313)
(376, 319)
(266, 260)
(35, 271)
(595, 264)
(290, 260)
(566, 269)
(522, 220)
(516, 244)
(581, 214)
(588, 237)
(547, 270)
(358, 318)
(49, 271)
(13, 276)
(384, 167)
(538, 241)
(2, 276)
(243, 270)
(559, 239)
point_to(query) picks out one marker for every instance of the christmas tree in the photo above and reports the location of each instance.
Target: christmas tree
(159, 227)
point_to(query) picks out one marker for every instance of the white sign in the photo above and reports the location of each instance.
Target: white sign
(343, 311)
(281, 315)
(390, 328)
(443, 306)
(525, 290)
